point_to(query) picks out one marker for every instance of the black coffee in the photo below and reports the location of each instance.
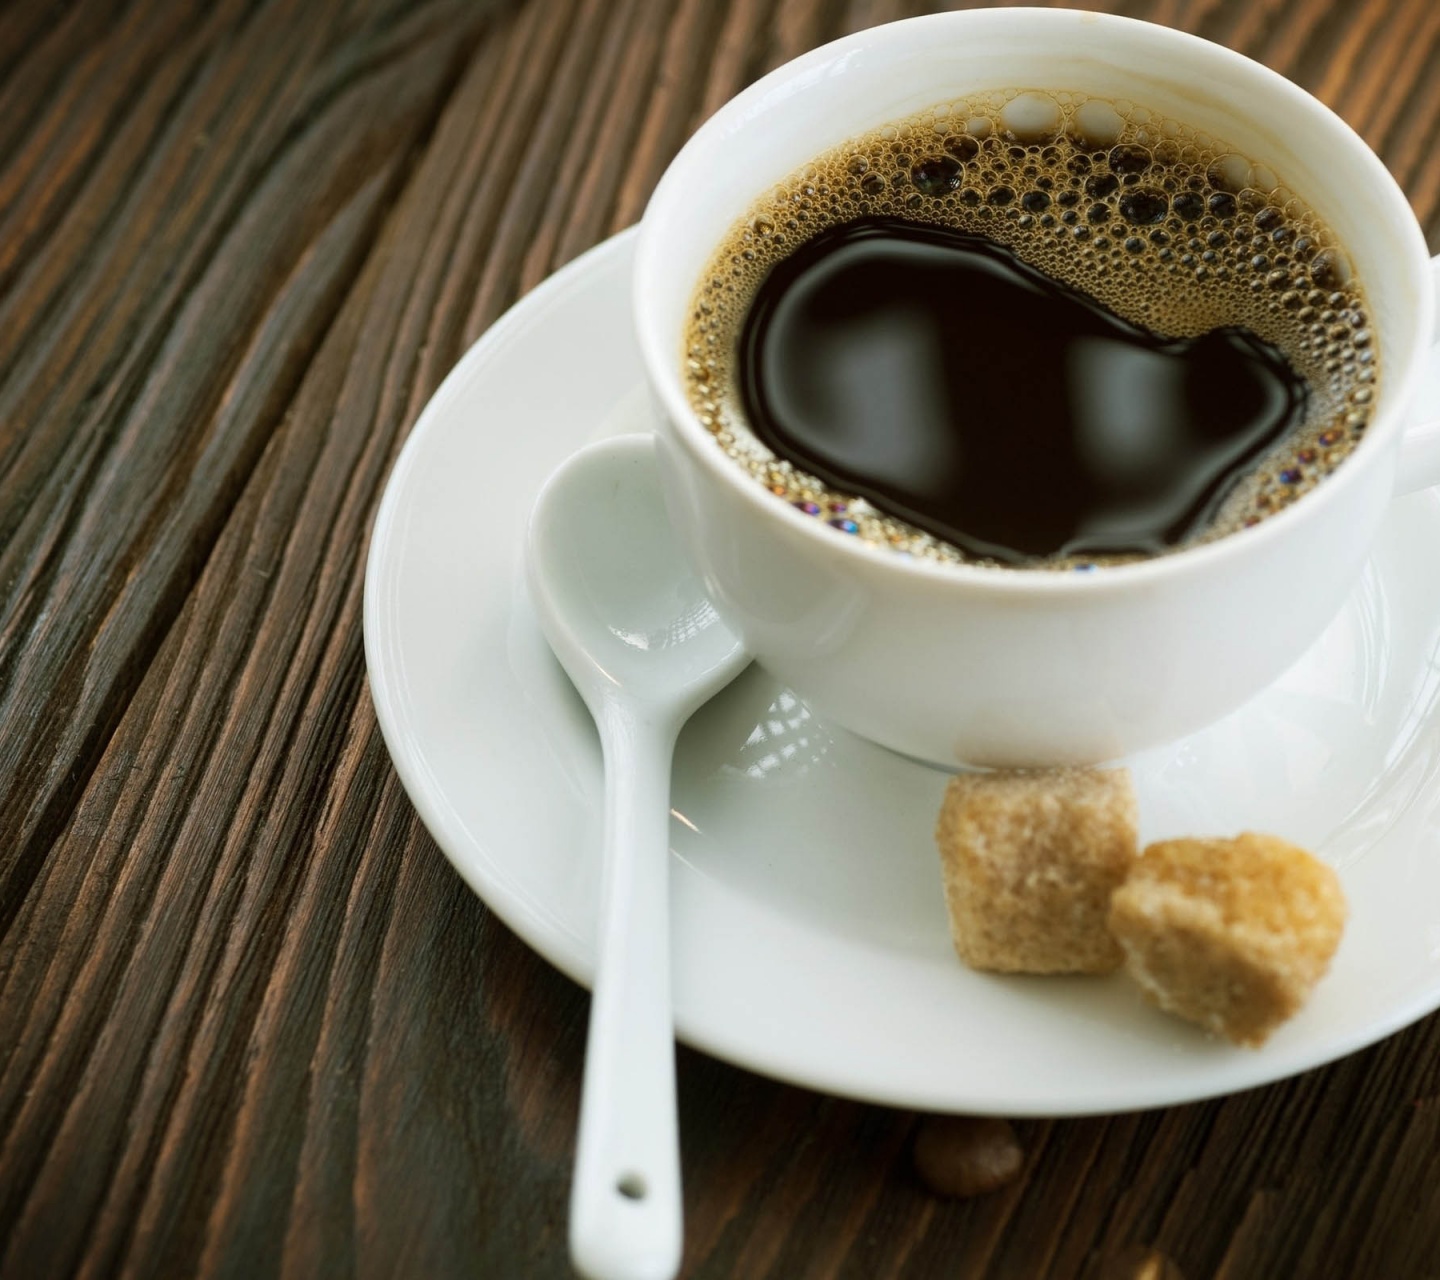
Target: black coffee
(1055, 428)
(1032, 329)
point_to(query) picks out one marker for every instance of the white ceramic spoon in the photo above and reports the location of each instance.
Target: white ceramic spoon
(634, 630)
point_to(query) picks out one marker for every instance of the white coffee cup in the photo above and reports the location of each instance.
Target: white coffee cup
(994, 666)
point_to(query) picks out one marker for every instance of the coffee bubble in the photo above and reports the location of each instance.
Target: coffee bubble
(936, 175)
(962, 147)
(1330, 269)
(1229, 173)
(1188, 206)
(1144, 207)
(1129, 159)
(1095, 123)
(1100, 185)
(1166, 226)
(1031, 117)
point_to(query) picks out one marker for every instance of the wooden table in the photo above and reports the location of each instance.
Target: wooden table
(251, 1022)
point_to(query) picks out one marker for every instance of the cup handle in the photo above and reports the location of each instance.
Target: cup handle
(1420, 445)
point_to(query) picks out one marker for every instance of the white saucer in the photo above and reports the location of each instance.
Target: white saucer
(810, 932)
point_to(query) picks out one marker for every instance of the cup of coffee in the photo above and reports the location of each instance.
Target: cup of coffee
(1031, 384)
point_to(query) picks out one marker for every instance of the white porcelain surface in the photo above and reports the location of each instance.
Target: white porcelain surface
(809, 926)
(1010, 667)
(643, 646)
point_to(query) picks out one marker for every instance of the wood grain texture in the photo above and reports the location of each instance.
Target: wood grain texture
(251, 1023)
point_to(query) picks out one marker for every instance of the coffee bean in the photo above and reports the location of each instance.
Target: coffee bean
(961, 1156)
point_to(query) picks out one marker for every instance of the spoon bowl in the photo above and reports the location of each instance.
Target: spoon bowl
(620, 608)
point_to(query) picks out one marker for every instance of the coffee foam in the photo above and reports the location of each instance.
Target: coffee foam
(1166, 226)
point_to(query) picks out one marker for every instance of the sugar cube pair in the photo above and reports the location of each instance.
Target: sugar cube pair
(1042, 875)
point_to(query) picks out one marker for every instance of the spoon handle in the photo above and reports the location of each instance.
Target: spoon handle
(625, 1207)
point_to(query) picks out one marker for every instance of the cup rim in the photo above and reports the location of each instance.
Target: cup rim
(662, 364)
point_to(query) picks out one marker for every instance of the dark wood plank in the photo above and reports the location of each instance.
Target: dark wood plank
(156, 364)
(250, 1021)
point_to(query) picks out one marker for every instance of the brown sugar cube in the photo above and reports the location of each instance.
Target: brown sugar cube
(1232, 934)
(1030, 860)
